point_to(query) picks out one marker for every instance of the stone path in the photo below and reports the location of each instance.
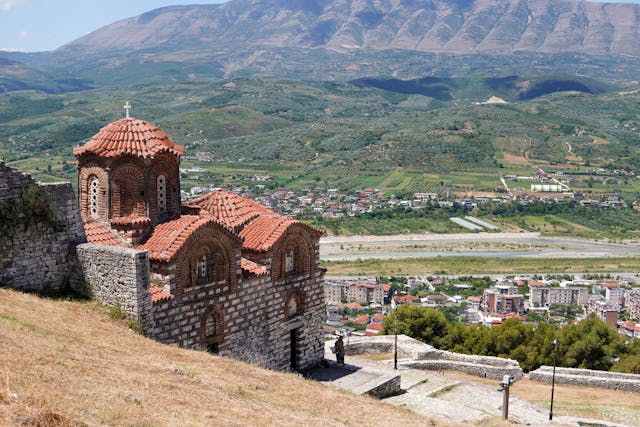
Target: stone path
(447, 398)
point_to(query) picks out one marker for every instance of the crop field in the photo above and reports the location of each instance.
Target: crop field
(479, 265)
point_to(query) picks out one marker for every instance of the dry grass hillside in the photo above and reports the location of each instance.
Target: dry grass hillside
(69, 363)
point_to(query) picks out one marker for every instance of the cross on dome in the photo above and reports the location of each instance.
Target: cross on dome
(127, 108)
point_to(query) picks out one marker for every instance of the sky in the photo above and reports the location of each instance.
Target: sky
(39, 25)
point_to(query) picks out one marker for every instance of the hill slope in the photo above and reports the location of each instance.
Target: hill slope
(66, 363)
(437, 26)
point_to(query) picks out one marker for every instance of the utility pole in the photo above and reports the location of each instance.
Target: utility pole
(553, 376)
(394, 306)
(507, 380)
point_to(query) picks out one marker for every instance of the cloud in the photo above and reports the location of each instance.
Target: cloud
(7, 5)
(23, 34)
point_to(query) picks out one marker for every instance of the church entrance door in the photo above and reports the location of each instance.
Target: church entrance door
(295, 364)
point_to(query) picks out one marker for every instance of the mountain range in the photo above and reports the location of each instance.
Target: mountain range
(434, 26)
(342, 40)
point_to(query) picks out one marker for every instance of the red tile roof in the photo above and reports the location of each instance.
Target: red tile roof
(610, 285)
(229, 208)
(354, 306)
(362, 319)
(168, 238)
(257, 225)
(99, 234)
(379, 317)
(131, 220)
(263, 232)
(129, 136)
(253, 268)
(158, 294)
(374, 326)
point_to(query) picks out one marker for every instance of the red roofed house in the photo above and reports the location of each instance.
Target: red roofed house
(224, 273)
(374, 328)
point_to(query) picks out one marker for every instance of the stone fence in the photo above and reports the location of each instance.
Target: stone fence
(418, 355)
(587, 377)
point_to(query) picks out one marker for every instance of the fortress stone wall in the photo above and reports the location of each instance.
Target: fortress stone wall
(418, 355)
(40, 227)
(119, 277)
(587, 377)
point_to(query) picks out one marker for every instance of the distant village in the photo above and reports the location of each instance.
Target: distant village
(332, 203)
(358, 305)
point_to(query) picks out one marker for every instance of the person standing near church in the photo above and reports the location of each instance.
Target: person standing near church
(339, 349)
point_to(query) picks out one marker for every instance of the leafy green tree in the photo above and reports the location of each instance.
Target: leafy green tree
(589, 344)
(629, 364)
(425, 324)
(511, 334)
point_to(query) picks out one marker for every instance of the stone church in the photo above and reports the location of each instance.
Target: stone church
(221, 272)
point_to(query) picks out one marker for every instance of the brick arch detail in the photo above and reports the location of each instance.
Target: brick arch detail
(168, 166)
(214, 239)
(84, 181)
(128, 195)
(216, 314)
(298, 241)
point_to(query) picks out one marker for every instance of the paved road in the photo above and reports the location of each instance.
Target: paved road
(501, 245)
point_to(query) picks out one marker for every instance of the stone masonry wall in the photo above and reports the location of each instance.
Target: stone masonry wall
(418, 355)
(586, 377)
(120, 277)
(40, 227)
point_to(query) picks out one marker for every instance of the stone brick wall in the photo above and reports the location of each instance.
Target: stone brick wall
(120, 277)
(256, 327)
(40, 227)
(587, 377)
(418, 355)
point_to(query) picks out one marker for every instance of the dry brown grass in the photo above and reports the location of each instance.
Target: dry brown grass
(66, 363)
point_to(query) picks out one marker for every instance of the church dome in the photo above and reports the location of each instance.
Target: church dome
(129, 136)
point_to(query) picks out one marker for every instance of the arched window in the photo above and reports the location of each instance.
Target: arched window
(93, 197)
(161, 190)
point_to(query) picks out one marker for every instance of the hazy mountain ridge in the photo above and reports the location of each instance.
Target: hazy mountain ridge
(435, 26)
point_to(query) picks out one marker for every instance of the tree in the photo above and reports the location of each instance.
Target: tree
(425, 324)
(589, 344)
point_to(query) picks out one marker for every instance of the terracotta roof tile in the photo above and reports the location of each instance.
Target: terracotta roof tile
(129, 136)
(99, 234)
(229, 208)
(158, 294)
(258, 226)
(168, 238)
(253, 268)
(263, 232)
(131, 220)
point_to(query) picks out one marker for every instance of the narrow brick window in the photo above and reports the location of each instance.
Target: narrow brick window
(162, 193)
(290, 261)
(93, 197)
(202, 267)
